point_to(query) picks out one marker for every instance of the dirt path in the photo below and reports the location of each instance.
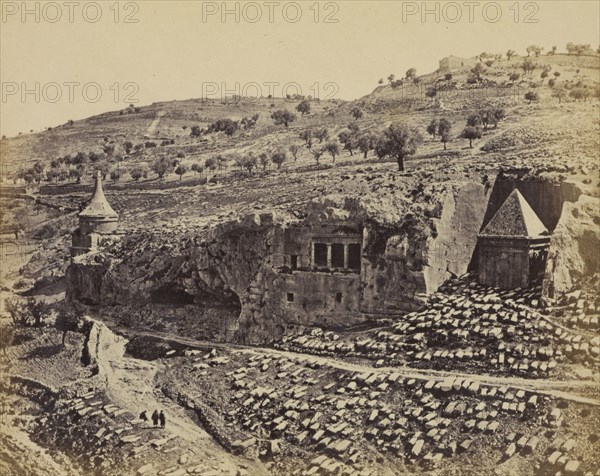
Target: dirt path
(154, 126)
(130, 383)
(572, 390)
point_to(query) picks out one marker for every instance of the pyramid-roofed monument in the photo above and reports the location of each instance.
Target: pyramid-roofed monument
(513, 246)
(515, 218)
(98, 206)
(97, 221)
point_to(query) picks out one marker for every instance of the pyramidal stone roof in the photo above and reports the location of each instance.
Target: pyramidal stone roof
(98, 206)
(515, 218)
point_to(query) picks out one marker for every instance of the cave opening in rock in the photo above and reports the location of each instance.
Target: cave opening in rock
(171, 294)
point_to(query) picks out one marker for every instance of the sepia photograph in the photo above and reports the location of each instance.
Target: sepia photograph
(300, 238)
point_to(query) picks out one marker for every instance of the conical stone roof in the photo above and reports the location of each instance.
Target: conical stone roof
(515, 218)
(98, 207)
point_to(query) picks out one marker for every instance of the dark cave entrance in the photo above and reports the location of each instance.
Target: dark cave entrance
(171, 294)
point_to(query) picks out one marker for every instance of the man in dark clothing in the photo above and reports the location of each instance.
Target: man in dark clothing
(143, 416)
(162, 419)
(155, 417)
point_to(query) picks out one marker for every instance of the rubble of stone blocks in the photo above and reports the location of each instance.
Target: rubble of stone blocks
(103, 434)
(469, 327)
(288, 406)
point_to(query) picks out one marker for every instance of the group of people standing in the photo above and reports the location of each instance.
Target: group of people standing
(156, 418)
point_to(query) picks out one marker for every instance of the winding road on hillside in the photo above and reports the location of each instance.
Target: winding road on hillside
(573, 390)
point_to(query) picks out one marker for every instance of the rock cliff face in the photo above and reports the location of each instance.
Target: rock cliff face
(235, 281)
(574, 246)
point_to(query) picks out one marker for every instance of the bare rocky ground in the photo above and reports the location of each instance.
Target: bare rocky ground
(477, 382)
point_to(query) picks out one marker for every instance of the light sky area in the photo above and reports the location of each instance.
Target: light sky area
(177, 47)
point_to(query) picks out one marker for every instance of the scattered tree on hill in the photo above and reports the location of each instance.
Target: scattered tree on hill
(79, 158)
(536, 50)
(307, 136)
(380, 81)
(380, 147)
(77, 172)
(263, 159)
(249, 122)
(26, 313)
(528, 66)
(161, 166)
(321, 133)
(211, 163)
(246, 161)
(401, 141)
(38, 310)
(283, 116)
(68, 320)
(303, 108)
(514, 76)
(181, 170)
(411, 74)
(496, 115)
(477, 72)
(471, 133)
(228, 126)
(136, 172)
(333, 148)
(366, 142)
(443, 128)
(448, 76)
(559, 93)
(15, 309)
(52, 175)
(348, 140)
(432, 128)
(552, 51)
(278, 158)
(197, 168)
(115, 175)
(556, 74)
(474, 120)
(531, 96)
(510, 54)
(487, 117)
(195, 131)
(294, 150)
(108, 149)
(578, 49)
(551, 82)
(356, 113)
(317, 154)
(391, 78)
